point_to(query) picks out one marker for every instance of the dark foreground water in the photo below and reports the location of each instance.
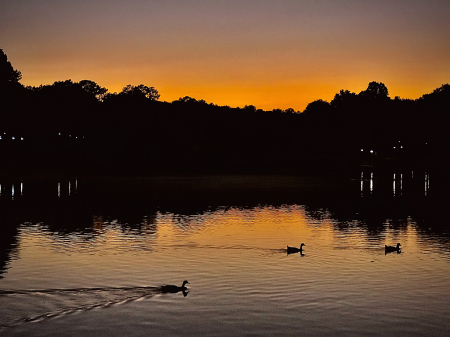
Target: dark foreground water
(86, 257)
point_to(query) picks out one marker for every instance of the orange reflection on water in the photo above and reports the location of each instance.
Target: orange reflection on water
(232, 247)
(262, 227)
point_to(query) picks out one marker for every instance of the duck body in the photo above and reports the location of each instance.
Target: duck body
(390, 249)
(170, 288)
(291, 250)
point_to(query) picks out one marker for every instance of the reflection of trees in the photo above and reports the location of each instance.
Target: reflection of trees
(384, 209)
(111, 236)
(67, 205)
(434, 230)
(8, 241)
(133, 207)
(10, 219)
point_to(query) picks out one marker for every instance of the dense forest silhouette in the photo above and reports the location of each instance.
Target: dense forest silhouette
(80, 126)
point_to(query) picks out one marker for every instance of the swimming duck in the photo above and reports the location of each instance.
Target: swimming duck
(170, 288)
(291, 250)
(389, 249)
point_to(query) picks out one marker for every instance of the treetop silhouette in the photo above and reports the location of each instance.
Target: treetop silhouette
(7, 72)
(140, 91)
(375, 90)
(190, 135)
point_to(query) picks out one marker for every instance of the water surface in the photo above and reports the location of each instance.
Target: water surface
(84, 256)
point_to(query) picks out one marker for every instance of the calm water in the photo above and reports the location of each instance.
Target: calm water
(85, 257)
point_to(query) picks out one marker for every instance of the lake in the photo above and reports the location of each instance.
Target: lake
(86, 256)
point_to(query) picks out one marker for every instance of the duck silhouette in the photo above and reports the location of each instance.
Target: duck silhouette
(170, 288)
(390, 249)
(291, 250)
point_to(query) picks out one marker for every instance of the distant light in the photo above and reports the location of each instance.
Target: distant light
(13, 138)
(401, 146)
(362, 150)
(21, 138)
(59, 133)
(394, 147)
(371, 151)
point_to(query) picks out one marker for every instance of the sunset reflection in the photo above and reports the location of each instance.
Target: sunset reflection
(234, 257)
(261, 227)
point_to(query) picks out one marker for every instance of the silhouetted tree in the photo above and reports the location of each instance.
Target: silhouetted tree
(375, 90)
(290, 111)
(7, 72)
(93, 88)
(250, 108)
(192, 136)
(140, 91)
(436, 102)
(343, 99)
(186, 99)
(318, 106)
(435, 116)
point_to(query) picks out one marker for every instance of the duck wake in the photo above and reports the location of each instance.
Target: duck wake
(27, 306)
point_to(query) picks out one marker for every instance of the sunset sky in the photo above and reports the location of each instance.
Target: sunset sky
(271, 53)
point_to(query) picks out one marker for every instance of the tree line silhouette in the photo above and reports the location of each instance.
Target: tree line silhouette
(81, 126)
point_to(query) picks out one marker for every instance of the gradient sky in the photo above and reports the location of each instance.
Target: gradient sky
(272, 53)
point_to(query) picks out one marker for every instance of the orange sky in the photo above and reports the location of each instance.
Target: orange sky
(272, 54)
